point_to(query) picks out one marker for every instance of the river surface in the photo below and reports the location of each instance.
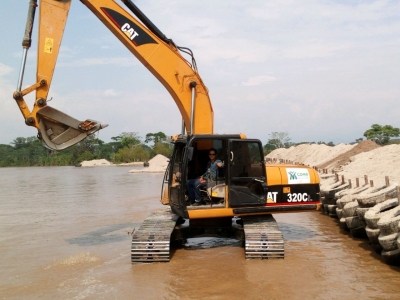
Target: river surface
(65, 234)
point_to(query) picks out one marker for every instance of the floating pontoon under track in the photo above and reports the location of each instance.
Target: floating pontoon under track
(151, 242)
(263, 239)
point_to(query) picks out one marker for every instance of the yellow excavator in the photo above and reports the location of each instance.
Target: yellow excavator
(246, 191)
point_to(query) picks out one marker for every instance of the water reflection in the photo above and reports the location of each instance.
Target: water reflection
(210, 242)
(292, 232)
(102, 235)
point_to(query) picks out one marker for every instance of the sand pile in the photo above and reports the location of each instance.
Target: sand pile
(135, 163)
(345, 157)
(352, 161)
(158, 164)
(95, 163)
(310, 155)
(376, 164)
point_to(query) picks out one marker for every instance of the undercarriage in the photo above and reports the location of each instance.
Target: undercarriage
(260, 235)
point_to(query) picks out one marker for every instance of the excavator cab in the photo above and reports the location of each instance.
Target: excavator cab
(239, 183)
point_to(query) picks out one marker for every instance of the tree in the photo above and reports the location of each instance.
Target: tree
(163, 148)
(129, 154)
(126, 139)
(279, 139)
(155, 137)
(19, 142)
(323, 143)
(268, 148)
(86, 155)
(381, 134)
(130, 139)
(82, 149)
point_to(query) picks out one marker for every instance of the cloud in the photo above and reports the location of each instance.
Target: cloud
(258, 80)
(111, 93)
(68, 52)
(313, 49)
(4, 69)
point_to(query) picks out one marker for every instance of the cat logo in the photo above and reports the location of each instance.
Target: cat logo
(271, 197)
(129, 31)
(133, 31)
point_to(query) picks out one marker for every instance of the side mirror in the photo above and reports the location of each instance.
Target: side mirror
(189, 151)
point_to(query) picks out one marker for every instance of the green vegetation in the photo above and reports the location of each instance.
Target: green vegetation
(126, 147)
(381, 134)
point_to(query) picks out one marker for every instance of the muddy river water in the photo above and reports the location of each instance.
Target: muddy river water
(65, 234)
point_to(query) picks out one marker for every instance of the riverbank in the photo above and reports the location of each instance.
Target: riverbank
(158, 164)
(350, 161)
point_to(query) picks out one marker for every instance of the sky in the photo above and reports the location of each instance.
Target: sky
(318, 70)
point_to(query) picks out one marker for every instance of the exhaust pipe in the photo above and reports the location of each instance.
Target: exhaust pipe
(193, 87)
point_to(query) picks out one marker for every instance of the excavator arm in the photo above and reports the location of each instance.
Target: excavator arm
(156, 52)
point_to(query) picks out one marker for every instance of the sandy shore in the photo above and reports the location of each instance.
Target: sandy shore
(158, 164)
(351, 161)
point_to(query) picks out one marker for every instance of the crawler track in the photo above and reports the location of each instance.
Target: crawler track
(151, 242)
(263, 239)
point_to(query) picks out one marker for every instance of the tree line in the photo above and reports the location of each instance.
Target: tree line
(124, 148)
(129, 147)
(380, 134)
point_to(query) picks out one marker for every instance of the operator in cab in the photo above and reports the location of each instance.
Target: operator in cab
(194, 185)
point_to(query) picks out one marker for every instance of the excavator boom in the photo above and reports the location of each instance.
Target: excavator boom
(162, 59)
(157, 53)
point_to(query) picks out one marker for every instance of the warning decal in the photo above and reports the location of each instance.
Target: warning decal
(48, 45)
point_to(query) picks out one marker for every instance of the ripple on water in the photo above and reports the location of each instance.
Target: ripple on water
(78, 259)
(210, 242)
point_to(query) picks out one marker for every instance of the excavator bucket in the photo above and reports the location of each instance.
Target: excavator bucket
(59, 131)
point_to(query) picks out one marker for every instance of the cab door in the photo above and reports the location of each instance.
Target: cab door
(246, 173)
(175, 173)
